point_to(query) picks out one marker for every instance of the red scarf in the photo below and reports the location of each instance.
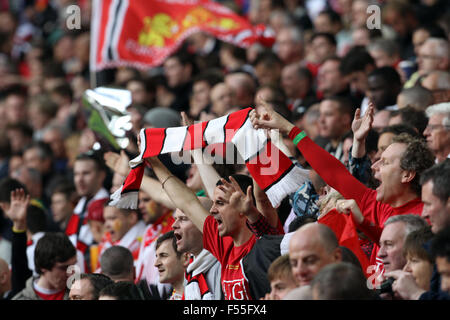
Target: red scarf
(272, 170)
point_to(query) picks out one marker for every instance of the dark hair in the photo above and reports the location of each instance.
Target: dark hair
(7, 185)
(98, 281)
(22, 127)
(332, 15)
(300, 221)
(278, 98)
(415, 241)
(356, 60)
(415, 118)
(185, 58)
(210, 76)
(341, 281)
(440, 244)
(345, 105)
(439, 174)
(122, 290)
(65, 187)
(388, 74)
(168, 236)
(329, 37)
(116, 262)
(5, 147)
(397, 129)
(44, 149)
(350, 257)
(417, 157)
(64, 90)
(237, 52)
(434, 30)
(36, 219)
(51, 248)
(268, 58)
(96, 156)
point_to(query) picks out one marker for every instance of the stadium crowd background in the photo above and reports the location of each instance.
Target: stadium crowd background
(327, 73)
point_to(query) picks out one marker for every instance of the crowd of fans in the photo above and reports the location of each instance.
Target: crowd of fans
(365, 110)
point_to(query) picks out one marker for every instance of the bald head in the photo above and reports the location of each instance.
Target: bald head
(312, 247)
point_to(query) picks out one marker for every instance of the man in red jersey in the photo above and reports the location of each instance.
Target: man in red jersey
(225, 231)
(398, 170)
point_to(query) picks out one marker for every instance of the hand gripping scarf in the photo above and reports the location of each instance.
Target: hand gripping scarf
(272, 169)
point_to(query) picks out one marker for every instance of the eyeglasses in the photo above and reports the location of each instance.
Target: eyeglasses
(432, 127)
(428, 56)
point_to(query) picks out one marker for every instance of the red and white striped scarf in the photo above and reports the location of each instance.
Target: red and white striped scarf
(272, 169)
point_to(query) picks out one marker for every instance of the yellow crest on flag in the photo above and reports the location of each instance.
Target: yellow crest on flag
(157, 29)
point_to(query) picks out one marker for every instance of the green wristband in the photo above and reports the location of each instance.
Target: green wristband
(299, 137)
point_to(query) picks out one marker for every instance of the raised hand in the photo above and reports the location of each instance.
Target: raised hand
(267, 118)
(362, 125)
(18, 208)
(185, 121)
(237, 198)
(350, 206)
(117, 163)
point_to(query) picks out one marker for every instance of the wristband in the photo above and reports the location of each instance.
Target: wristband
(17, 230)
(299, 137)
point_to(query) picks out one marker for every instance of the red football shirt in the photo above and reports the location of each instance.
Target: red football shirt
(234, 283)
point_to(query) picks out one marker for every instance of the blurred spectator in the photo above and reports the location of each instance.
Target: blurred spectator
(243, 86)
(356, 66)
(385, 52)
(289, 45)
(178, 69)
(401, 17)
(340, 281)
(19, 134)
(383, 86)
(222, 99)
(201, 92)
(267, 68)
(437, 131)
(417, 97)
(410, 116)
(63, 202)
(335, 120)
(297, 83)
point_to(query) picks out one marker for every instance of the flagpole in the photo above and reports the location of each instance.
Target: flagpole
(93, 79)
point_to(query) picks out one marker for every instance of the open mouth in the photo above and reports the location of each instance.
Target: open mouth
(219, 220)
(178, 237)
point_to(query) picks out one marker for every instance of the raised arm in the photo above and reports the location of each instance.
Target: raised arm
(361, 127)
(119, 164)
(207, 172)
(19, 265)
(265, 207)
(331, 170)
(182, 197)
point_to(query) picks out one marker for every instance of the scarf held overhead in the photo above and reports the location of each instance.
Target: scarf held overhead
(272, 169)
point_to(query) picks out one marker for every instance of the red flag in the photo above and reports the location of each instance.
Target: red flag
(142, 34)
(345, 231)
